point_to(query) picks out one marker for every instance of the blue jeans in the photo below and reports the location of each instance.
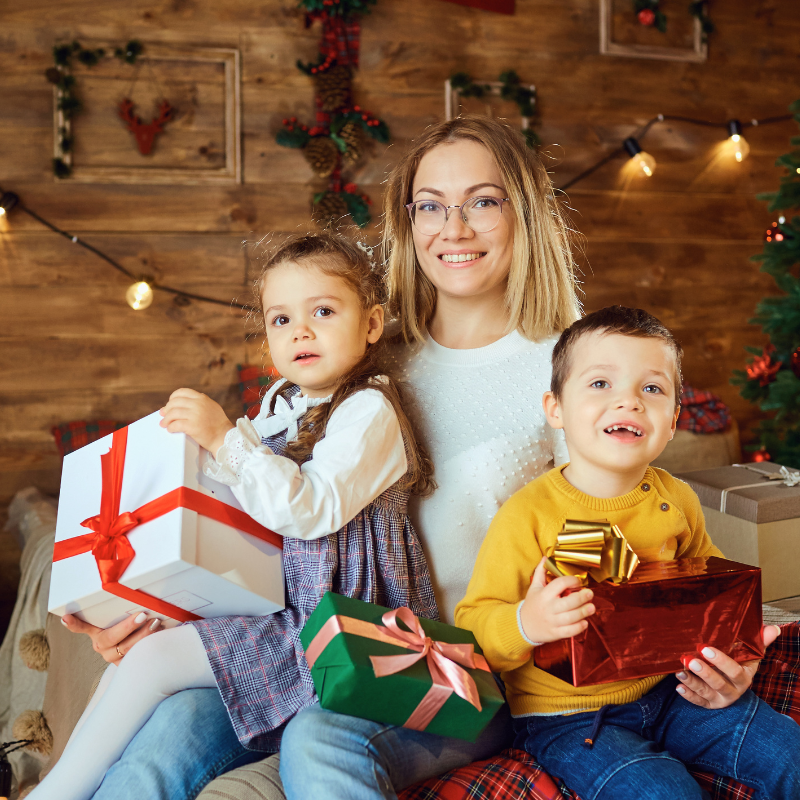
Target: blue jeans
(641, 749)
(330, 755)
(187, 743)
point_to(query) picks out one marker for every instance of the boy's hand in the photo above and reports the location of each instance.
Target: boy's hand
(720, 681)
(197, 415)
(547, 616)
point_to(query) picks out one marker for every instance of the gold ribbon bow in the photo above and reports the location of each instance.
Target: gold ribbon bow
(586, 548)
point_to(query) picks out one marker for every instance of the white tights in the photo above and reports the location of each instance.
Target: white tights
(155, 668)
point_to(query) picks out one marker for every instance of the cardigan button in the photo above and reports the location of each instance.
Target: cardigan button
(665, 506)
(645, 487)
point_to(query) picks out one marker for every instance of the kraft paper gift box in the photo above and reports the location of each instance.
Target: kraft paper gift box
(752, 514)
(359, 658)
(653, 624)
(159, 535)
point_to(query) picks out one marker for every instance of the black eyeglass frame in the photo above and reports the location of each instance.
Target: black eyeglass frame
(410, 206)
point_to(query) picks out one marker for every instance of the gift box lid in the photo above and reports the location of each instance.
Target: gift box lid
(747, 491)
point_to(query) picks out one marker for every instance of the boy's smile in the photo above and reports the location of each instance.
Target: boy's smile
(617, 408)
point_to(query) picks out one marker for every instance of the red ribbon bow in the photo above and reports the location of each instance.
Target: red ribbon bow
(109, 542)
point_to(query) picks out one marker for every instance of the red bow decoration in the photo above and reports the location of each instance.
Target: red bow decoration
(109, 543)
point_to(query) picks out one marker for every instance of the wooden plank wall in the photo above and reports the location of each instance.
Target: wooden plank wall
(677, 244)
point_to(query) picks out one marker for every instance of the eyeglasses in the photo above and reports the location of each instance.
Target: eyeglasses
(481, 214)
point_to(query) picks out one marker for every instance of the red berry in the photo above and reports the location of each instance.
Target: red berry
(646, 17)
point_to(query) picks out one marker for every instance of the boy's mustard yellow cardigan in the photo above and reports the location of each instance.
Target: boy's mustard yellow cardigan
(661, 519)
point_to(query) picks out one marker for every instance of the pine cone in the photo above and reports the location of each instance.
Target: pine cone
(330, 210)
(322, 154)
(333, 87)
(356, 139)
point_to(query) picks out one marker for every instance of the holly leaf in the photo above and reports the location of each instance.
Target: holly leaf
(297, 138)
(340, 143)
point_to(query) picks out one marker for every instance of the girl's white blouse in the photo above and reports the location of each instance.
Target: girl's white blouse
(360, 457)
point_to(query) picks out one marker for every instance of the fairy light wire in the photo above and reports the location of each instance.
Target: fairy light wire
(613, 154)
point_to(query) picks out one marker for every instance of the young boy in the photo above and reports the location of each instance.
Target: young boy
(615, 390)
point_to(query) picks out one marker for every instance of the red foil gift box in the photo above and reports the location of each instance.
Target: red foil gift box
(662, 616)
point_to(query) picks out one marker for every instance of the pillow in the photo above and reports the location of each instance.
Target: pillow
(253, 384)
(702, 412)
(71, 436)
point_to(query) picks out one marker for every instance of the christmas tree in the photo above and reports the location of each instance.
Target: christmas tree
(772, 379)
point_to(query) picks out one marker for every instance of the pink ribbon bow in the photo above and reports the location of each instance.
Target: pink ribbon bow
(443, 659)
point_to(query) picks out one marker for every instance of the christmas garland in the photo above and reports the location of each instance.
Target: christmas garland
(68, 102)
(343, 130)
(649, 14)
(511, 89)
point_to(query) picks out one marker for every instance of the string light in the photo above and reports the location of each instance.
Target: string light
(645, 162)
(737, 143)
(7, 201)
(139, 295)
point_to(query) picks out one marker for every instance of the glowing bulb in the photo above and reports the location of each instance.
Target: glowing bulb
(645, 162)
(139, 295)
(737, 143)
(2, 214)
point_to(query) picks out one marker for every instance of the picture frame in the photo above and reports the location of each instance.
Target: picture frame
(608, 47)
(452, 99)
(228, 60)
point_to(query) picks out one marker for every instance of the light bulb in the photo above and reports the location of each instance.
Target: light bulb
(736, 142)
(139, 295)
(2, 214)
(645, 162)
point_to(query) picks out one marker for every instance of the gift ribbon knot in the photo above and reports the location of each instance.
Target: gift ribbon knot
(445, 661)
(109, 543)
(784, 475)
(585, 548)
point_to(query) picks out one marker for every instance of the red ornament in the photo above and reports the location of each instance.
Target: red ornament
(647, 17)
(761, 455)
(795, 362)
(350, 188)
(145, 133)
(763, 368)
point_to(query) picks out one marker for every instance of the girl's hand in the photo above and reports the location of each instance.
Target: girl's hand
(720, 681)
(112, 643)
(547, 616)
(197, 415)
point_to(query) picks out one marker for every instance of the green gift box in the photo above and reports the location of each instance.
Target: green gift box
(343, 636)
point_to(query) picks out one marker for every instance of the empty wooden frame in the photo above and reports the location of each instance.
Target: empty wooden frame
(201, 145)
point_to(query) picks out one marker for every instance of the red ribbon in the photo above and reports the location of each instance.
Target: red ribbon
(109, 542)
(443, 659)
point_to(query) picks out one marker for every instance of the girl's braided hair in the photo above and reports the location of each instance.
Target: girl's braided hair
(340, 256)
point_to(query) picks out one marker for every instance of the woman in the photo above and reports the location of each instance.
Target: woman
(481, 278)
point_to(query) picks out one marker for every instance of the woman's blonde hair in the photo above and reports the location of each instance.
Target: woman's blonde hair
(541, 294)
(340, 256)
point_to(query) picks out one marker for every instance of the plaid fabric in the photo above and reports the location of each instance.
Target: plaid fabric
(259, 663)
(515, 775)
(254, 382)
(702, 412)
(71, 436)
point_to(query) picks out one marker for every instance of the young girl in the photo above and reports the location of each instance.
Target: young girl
(328, 463)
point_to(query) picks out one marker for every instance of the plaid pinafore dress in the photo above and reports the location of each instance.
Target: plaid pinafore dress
(258, 662)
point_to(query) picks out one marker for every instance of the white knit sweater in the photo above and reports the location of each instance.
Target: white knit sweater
(479, 413)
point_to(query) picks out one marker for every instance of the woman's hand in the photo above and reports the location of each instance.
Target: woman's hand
(197, 415)
(720, 681)
(112, 643)
(547, 616)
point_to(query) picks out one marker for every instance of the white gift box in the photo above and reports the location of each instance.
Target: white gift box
(183, 558)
